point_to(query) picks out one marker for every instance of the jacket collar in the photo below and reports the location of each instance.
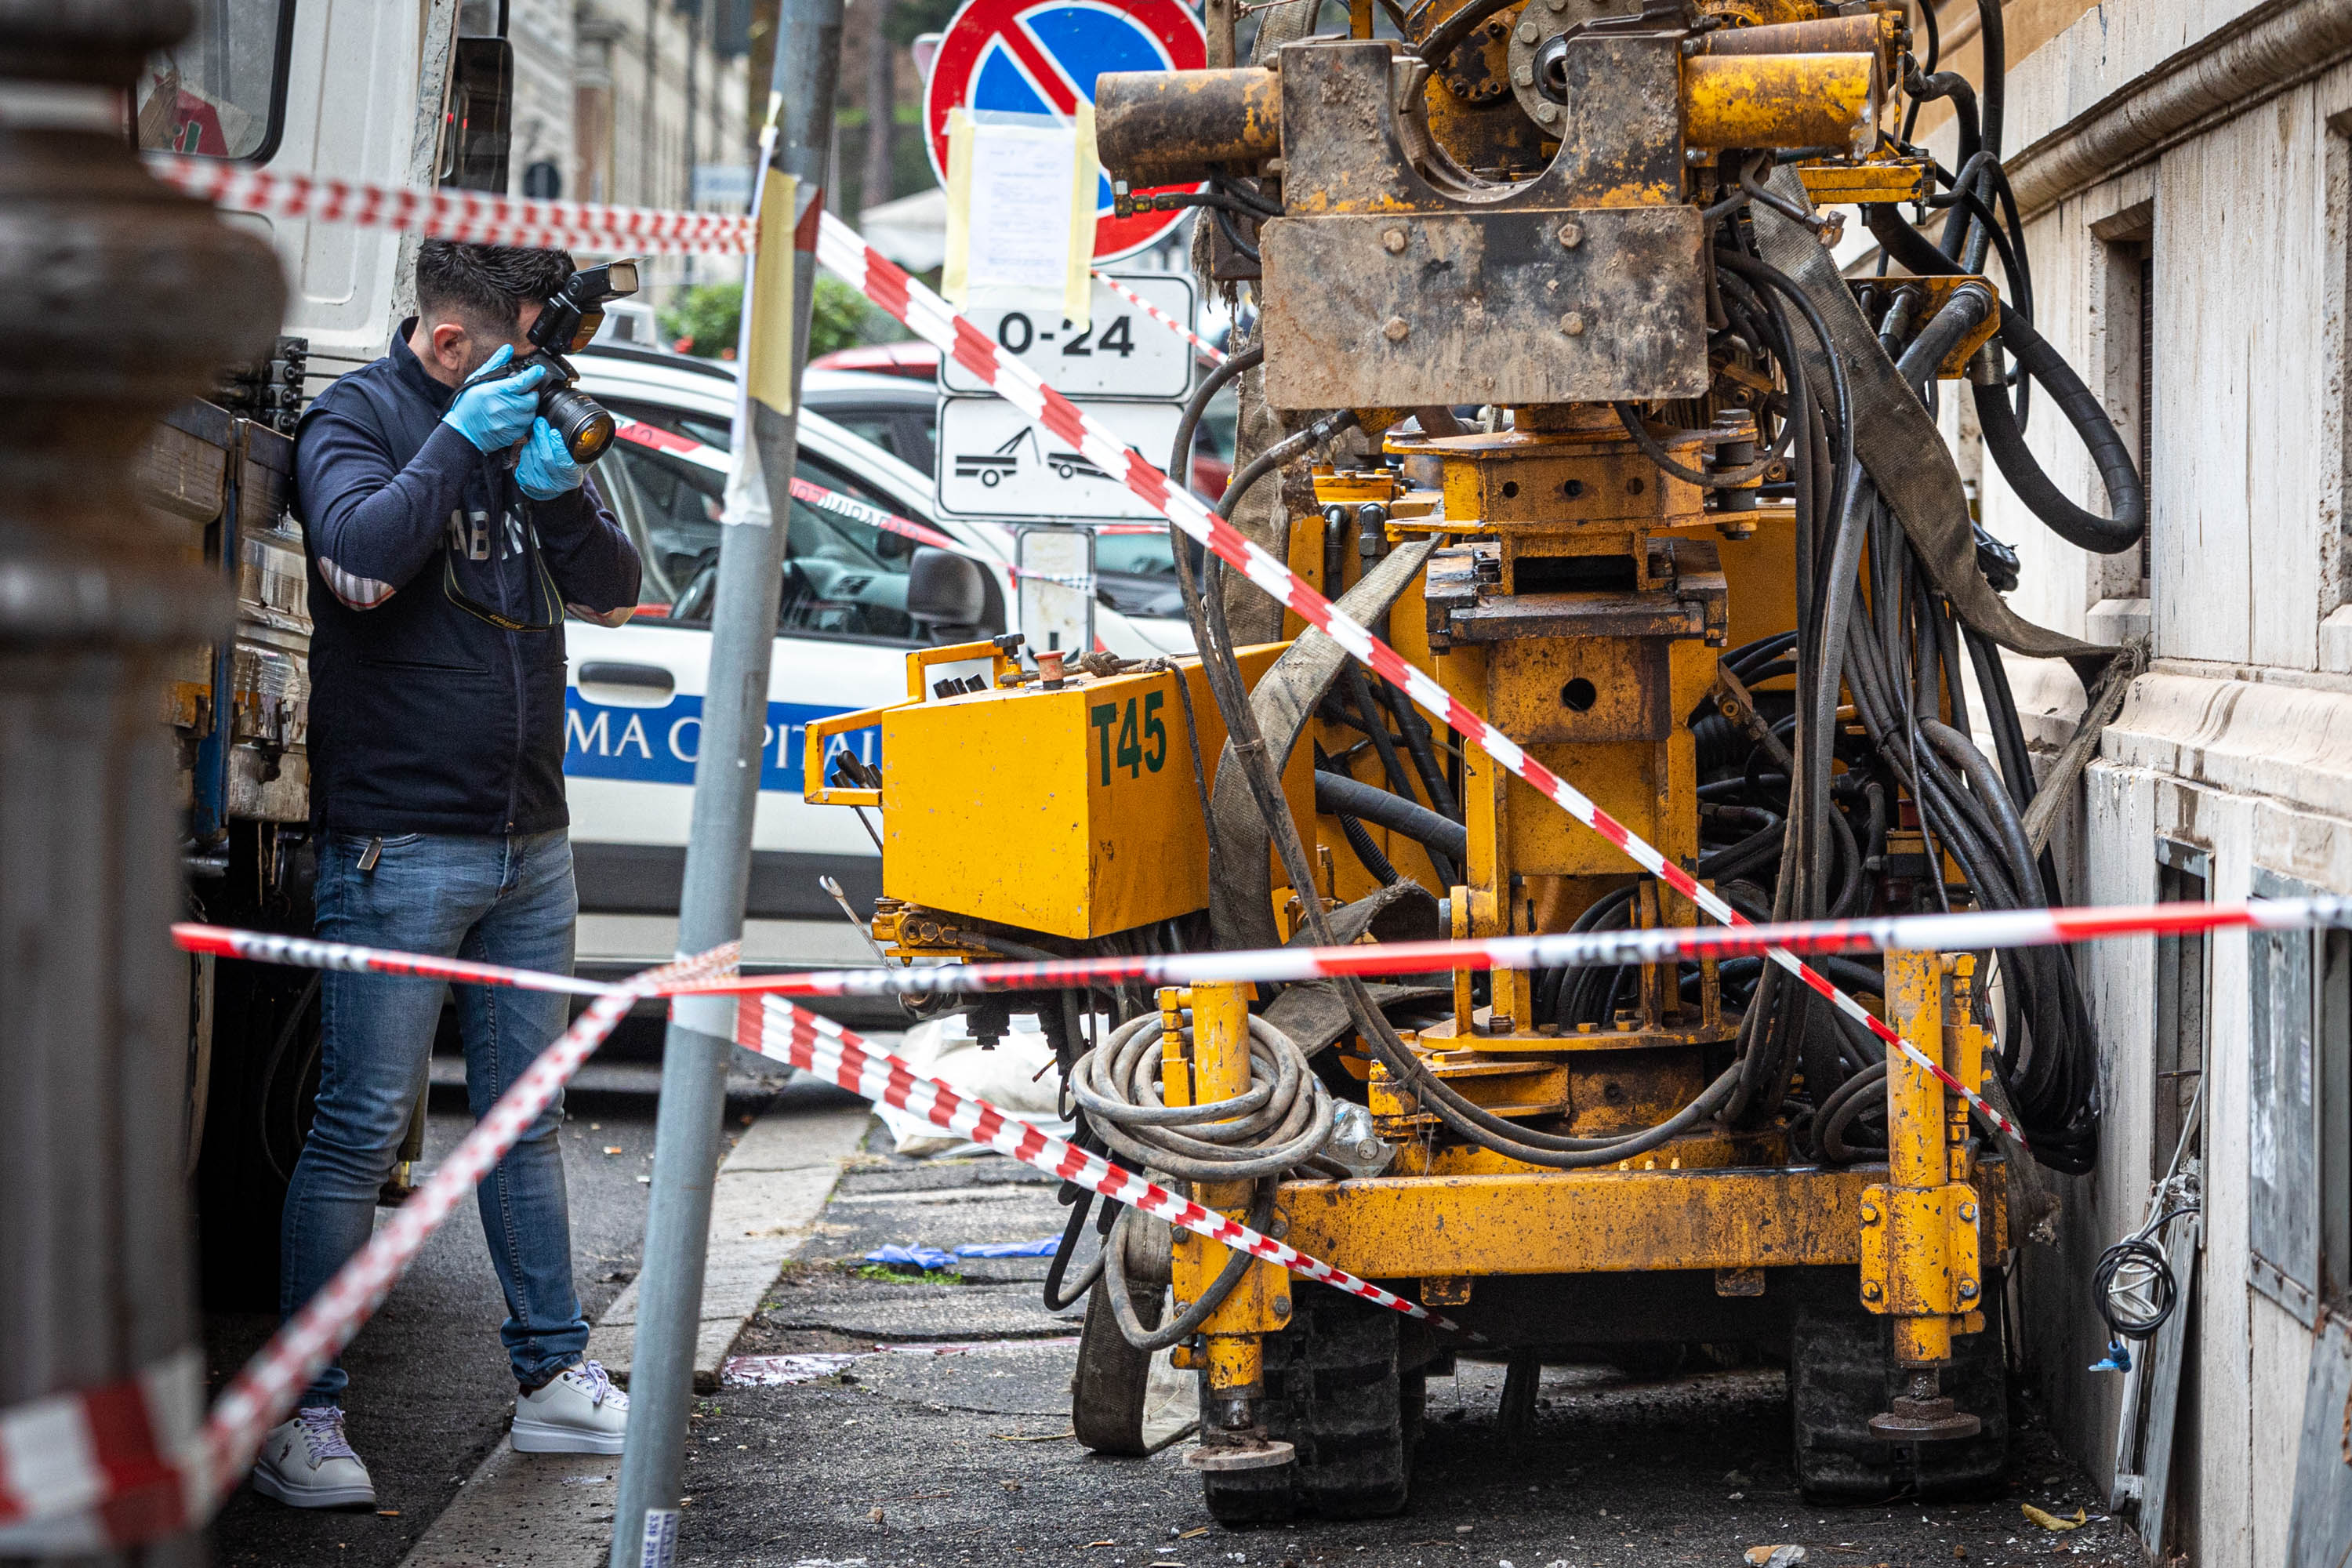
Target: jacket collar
(411, 370)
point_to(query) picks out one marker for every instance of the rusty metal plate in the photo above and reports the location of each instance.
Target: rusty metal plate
(1407, 308)
(1588, 689)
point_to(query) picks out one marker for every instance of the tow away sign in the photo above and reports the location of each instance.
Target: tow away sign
(1122, 353)
(993, 463)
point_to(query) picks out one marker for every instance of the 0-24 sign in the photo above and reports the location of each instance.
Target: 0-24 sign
(1120, 354)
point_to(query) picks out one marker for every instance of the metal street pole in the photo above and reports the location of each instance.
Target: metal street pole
(719, 842)
(122, 298)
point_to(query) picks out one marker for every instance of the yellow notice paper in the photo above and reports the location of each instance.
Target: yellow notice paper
(767, 368)
(1021, 203)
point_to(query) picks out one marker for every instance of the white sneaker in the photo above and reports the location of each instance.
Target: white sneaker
(579, 1413)
(308, 1463)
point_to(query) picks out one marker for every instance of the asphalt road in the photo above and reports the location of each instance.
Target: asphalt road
(905, 1456)
(925, 1458)
(431, 1393)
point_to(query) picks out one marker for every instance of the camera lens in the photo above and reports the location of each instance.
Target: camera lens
(580, 420)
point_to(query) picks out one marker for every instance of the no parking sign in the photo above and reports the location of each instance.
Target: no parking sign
(1025, 58)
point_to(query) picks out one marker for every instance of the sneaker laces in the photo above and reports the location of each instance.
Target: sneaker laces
(322, 1427)
(591, 1379)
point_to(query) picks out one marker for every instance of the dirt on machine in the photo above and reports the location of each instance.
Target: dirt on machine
(1599, 438)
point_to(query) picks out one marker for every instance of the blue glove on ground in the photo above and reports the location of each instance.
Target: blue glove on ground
(495, 414)
(546, 470)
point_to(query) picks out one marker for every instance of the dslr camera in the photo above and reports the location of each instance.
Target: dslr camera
(565, 325)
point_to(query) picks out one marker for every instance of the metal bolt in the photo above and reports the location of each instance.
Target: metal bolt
(1393, 241)
(1572, 323)
(1694, 154)
(1870, 1291)
(1571, 235)
(1282, 1306)
(1547, 113)
(1528, 34)
(1870, 1214)
(1968, 1213)
(1525, 75)
(1397, 329)
(1967, 1290)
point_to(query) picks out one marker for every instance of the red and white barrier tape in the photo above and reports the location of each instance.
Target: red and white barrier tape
(309, 953)
(1209, 353)
(111, 1466)
(488, 219)
(1977, 932)
(93, 1469)
(846, 255)
(703, 454)
(471, 216)
(774, 1028)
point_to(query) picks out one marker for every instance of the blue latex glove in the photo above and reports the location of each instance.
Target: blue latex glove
(495, 414)
(546, 470)
(900, 1256)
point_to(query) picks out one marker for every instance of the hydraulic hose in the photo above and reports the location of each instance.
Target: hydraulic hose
(1186, 1323)
(2006, 441)
(1338, 793)
(1963, 314)
(1277, 1124)
(1273, 1127)
(2118, 473)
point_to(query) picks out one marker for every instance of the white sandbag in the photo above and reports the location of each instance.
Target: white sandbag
(1017, 1077)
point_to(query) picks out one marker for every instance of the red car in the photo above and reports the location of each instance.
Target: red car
(916, 361)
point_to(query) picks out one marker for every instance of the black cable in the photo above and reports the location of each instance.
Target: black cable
(1415, 731)
(2117, 472)
(1187, 1322)
(1225, 217)
(1454, 31)
(1367, 852)
(1994, 47)
(1631, 419)
(1927, 65)
(2139, 1251)
(1391, 765)
(1337, 793)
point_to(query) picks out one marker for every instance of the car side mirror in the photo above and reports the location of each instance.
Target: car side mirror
(944, 588)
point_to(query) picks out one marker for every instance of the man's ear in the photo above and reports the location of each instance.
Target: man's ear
(448, 340)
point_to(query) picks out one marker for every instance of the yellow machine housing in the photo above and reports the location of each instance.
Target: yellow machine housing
(1439, 246)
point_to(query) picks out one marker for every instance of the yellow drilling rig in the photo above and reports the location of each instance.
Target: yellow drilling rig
(1600, 437)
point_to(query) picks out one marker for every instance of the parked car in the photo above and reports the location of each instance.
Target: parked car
(847, 620)
(916, 360)
(900, 416)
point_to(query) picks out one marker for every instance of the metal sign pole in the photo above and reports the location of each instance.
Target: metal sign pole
(726, 794)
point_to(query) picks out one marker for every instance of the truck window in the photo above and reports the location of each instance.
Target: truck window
(220, 92)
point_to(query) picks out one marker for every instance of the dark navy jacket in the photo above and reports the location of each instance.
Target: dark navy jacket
(426, 715)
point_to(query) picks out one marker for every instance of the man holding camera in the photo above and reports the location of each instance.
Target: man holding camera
(449, 530)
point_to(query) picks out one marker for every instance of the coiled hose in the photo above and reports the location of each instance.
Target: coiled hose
(1275, 1127)
(2127, 495)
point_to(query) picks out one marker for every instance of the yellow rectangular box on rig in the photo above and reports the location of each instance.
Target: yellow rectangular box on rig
(1073, 812)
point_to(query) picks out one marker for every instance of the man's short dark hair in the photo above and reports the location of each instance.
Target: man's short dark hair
(487, 286)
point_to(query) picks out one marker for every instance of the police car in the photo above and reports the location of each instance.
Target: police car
(859, 518)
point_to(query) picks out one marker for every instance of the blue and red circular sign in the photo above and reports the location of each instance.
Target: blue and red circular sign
(1023, 57)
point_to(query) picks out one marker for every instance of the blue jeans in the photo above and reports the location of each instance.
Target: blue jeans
(501, 899)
